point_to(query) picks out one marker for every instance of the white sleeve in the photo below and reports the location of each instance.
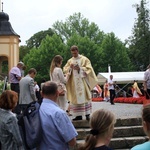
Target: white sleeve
(61, 76)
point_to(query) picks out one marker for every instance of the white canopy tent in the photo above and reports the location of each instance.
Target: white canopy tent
(121, 77)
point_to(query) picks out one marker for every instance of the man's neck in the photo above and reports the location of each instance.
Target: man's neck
(52, 98)
(77, 56)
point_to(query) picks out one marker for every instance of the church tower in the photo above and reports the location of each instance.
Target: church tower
(9, 42)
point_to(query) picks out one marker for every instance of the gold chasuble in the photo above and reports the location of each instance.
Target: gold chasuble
(80, 83)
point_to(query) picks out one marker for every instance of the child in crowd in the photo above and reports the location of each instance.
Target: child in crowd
(102, 126)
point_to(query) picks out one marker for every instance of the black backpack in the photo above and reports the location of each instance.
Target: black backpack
(30, 125)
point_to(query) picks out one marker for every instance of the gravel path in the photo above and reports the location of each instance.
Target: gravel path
(121, 110)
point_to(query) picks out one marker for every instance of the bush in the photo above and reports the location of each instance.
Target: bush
(2, 86)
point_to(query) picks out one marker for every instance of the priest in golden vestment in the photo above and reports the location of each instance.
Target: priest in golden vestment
(81, 80)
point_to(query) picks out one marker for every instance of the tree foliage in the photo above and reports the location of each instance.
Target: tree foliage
(36, 39)
(23, 50)
(101, 49)
(114, 53)
(40, 58)
(77, 24)
(139, 42)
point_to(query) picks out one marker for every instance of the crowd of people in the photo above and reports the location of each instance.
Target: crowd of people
(111, 90)
(70, 86)
(102, 126)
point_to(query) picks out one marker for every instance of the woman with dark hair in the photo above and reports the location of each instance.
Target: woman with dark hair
(56, 75)
(10, 136)
(102, 126)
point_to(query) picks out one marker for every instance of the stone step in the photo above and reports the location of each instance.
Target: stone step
(122, 149)
(121, 143)
(119, 122)
(125, 131)
(128, 122)
(76, 148)
(127, 142)
(128, 132)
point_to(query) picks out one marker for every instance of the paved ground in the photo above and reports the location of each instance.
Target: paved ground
(121, 110)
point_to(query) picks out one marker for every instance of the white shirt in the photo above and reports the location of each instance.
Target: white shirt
(110, 87)
(36, 88)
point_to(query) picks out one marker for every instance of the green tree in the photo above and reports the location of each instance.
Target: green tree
(101, 49)
(40, 58)
(139, 42)
(23, 50)
(77, 24)
(114, 53)
(36, 39)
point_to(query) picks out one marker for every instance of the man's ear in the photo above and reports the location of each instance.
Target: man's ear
(57, 93)
(146, 126)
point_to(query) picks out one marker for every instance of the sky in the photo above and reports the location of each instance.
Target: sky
(28, 17)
